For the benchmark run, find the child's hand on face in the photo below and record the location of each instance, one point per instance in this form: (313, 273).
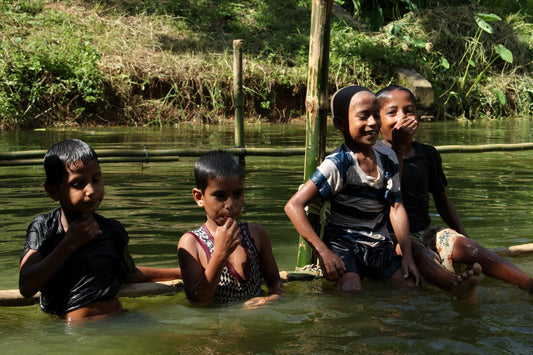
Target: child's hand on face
(403, 132)
(82, 230)
(228, 236)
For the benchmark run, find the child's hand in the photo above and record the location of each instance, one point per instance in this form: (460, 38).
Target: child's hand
(409, 268)
(228, 236)
(82, 230)
(257, 302)
(333, 265)
(403, 132)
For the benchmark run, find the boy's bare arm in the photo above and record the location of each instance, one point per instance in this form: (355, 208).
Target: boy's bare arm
(147, 274)
(295, 210)
(448, 212)
(201, 282)
(36, 271)
(269, 267)
(400, 224)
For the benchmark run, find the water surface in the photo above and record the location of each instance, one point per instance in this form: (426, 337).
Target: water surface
(492, 192)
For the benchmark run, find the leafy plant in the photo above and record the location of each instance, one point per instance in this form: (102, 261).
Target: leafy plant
(465, 70)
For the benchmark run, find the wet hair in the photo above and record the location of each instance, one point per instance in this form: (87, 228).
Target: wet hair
(340, 101)
(216, 164)
(63, 154)
(384, 93)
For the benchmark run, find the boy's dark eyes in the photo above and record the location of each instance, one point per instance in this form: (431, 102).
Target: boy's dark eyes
(366, 117)
(220, 195)
(394, 112)
(79, 184)
(223, 196)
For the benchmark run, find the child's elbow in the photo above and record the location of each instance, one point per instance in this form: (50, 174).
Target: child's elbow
(198, 301)
(290, 208)
(287, 208)
(198, 298)
(27, 292)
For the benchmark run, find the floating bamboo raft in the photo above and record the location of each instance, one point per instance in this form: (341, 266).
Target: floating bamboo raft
(11, 298)
(35, 157)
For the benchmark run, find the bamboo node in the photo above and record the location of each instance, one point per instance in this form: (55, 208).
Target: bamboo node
(146, 155)
(311, 103)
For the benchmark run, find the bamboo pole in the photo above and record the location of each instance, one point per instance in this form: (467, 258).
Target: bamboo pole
(484, 148)
(316, 102)
(13, 298)
(34, 157)
(514, 250)
(238, 96)
(144, 155)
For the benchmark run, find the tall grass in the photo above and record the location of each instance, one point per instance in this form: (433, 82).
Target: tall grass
(137, 62)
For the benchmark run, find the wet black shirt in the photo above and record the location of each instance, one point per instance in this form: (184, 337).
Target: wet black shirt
(93, 273)
(422, 175)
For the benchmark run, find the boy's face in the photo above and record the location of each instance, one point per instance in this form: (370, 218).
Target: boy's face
(363, 119)
(396, 107)
(81, 190)
(221, 199)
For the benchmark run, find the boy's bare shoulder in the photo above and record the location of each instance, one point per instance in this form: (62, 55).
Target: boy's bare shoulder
(187, 241)
(257, 229)
(259, 235)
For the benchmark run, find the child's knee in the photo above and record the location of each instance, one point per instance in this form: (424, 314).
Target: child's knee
(398, 280)
(350, 282)
(466, 249)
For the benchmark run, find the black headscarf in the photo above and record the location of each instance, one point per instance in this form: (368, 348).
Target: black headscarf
(340, 101)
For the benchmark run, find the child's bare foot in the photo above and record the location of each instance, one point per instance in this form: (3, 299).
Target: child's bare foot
(466, 288)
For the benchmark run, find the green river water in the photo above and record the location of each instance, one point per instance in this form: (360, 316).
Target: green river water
(491, 191)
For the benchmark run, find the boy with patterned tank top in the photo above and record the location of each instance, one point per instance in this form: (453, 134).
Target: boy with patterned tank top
(225, 260)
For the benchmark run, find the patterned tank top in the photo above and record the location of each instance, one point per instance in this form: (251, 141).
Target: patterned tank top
(231, 287)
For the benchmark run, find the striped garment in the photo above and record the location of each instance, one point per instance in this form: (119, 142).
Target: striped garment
(359, 203)
(231, 287)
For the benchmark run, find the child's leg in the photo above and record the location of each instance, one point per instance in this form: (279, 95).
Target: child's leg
(398, 280)
(468, 251)
(430, 268)
(350, 282)
(462, 286)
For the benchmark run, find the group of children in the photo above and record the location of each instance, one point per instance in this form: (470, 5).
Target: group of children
(379, 225)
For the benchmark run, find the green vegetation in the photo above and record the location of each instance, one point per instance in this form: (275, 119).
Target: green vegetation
(140, 62)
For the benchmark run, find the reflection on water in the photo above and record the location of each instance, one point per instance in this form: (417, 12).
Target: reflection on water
(492, 192)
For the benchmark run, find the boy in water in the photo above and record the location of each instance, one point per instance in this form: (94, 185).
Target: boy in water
(422, 174)
(76, 258)
(225, 260)
(362, 182)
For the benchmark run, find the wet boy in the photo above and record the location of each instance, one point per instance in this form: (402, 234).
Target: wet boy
(423, 175)
(225, 260)
(76, 258)
(362, 183)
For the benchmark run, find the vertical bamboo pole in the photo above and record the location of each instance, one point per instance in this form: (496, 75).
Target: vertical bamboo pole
(238, 96)
(316, 103)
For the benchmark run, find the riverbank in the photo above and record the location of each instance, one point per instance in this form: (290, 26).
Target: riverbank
(81, 63)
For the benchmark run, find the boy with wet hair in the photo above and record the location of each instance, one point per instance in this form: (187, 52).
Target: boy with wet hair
(422, 175)
(225, 260)
(76, 258)
(362, 183)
